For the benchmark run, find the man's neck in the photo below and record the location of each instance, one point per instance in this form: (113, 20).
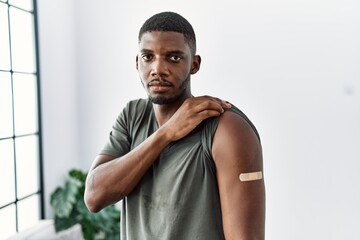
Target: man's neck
(163, 112)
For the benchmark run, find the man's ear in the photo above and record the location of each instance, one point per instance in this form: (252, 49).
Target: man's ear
(195, 66)
(137, 62)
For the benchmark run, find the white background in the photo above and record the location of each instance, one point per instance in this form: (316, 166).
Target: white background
(292, 66)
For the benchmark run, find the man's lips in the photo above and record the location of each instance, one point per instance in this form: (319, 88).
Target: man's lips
(159, 83)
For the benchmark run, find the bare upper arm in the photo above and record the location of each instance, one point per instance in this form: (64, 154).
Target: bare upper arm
(236, 149)
(100, 159)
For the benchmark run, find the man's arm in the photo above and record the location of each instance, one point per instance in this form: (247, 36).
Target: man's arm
(110, 179)
(236, 150)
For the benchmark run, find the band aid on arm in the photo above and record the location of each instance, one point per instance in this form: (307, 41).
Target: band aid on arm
(251, 176)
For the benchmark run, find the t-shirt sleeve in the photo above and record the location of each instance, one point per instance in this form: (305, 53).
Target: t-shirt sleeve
(119, 140)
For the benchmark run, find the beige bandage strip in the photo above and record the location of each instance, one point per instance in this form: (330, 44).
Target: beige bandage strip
(251, 176)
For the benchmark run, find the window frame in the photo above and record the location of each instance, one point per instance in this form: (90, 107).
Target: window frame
(38, 134)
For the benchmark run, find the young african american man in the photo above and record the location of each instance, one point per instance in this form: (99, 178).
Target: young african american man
(186, 167)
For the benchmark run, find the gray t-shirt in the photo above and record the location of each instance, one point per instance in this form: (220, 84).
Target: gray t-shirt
(178, 196)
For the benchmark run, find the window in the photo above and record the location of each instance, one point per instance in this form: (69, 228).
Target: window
(21, 197)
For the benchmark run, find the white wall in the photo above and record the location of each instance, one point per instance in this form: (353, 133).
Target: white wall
(291, 66)
(58, 92)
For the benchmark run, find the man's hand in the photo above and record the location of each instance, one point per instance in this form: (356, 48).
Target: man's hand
(191, 113)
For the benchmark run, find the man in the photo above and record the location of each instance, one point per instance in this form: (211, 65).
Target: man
(186, 167)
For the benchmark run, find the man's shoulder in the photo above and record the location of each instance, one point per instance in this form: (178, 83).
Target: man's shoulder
(140, 102)
(234, 118)
(134, 108)
(137, 105)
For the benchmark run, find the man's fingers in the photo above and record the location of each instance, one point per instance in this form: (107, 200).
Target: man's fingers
(208, 113)
(223, 103)
(192, 112)
(211, 104)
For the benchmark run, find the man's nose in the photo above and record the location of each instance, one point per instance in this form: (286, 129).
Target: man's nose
(160, 68)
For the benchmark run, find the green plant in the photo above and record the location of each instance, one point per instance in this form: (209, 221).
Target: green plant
(69, 208)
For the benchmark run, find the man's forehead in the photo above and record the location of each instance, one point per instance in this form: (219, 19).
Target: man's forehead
(156, 40)
(163, 38)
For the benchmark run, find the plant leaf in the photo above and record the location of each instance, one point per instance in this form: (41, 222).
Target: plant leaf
(65, 223)
(78, 174)
(88, 229)
(63, 199)
(69, 207)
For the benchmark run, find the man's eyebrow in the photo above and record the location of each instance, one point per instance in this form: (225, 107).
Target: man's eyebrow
(144, 50)
(176, 52)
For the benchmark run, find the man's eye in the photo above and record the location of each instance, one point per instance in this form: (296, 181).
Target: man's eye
(175, 58)
(146, 57)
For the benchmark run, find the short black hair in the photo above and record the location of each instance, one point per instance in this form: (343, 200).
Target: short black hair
(170, 22)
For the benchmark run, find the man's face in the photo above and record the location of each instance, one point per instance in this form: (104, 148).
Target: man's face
(165, 64)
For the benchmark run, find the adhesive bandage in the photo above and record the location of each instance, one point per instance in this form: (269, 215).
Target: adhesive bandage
(251, 176)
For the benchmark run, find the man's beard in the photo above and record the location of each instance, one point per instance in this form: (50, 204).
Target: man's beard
(163, 100)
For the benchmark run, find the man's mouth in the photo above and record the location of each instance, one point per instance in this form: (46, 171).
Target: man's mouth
(159, 85)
